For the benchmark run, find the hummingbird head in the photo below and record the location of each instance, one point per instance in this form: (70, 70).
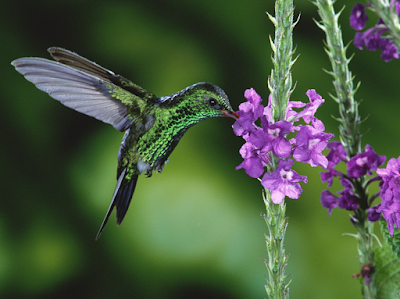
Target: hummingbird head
(209, 99)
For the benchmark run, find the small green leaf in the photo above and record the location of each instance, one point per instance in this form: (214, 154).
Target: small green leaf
(392, 241)
(387, 271)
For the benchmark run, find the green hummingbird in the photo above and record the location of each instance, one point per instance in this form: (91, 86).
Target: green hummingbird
(153, 125)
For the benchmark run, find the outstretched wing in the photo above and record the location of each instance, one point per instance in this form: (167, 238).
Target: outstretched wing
(76, 61)
(86, 87)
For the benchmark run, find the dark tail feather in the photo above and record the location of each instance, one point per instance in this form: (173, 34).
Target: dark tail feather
(121, 199)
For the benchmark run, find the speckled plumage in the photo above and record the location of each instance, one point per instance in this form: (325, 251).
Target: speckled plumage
(153, 125)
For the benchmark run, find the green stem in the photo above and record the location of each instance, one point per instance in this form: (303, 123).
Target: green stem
(366, 250)
(280, 86)
(280, 81)
(277, 260)
(349, 120)
(349, 129)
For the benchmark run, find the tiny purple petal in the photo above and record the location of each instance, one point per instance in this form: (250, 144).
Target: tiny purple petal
(252, 166)
(328, 176)
(364, 163)
(359, 40)
(337, 152)
(373, 215)
(329, 201)
(358, 17)
(254, 160)
(277, 134)
(308, 112)
(348, 201)
(389, 51)
(244, 124)
(252, 96)
(290, 113)
(282, 148)
(267, 110)
(248, 112)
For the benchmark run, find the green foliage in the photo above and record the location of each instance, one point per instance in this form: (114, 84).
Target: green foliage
(392, 241)
(387, 271)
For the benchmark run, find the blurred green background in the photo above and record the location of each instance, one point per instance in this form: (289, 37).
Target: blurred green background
(194, 231)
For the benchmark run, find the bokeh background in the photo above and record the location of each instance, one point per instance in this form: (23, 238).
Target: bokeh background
(195, 230)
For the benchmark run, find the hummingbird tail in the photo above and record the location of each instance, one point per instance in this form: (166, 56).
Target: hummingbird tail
(121, 199)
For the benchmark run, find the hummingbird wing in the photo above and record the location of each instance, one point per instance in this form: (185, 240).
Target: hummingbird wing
(86, 87)
(76, 61)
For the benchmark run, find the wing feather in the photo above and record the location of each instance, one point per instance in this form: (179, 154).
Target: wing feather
(79, 90)
(76, 61)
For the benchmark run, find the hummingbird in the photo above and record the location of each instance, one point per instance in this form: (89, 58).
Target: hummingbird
(153, 125)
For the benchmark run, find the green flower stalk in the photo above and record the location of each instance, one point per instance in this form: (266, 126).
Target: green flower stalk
(349, 120)
(280, 81)
(349, 130)
(280, 86)
(268, 146)
(277, 260)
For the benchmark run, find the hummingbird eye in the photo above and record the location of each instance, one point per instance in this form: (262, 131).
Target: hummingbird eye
(213, 103)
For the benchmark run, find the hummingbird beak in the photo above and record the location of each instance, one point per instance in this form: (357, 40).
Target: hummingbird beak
(231, 114)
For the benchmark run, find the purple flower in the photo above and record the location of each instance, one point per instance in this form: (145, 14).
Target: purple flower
(347, 200)
(249, 112)
(328, 176)
(244, 124)
(363, 163)
(372, 38)
(397, 4)
(254, 159)
(391, 212)
(277, 132)
(283, 182)
(329, 201)
(373, 214)
(309, 144)
(267, 110)
(290, 113)
(337, 153)
(389, 50)
(358, 17)
(390, 194)
(270, 141)
(308, 112)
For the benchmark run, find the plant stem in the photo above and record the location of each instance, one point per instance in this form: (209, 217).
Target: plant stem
(277, 260)
(349, 129)
(280, 80)
(280, 86)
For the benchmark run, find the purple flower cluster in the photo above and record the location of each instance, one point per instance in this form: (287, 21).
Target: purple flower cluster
(372, 38)
(269, 142)
(358, 166)
(390, 193)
